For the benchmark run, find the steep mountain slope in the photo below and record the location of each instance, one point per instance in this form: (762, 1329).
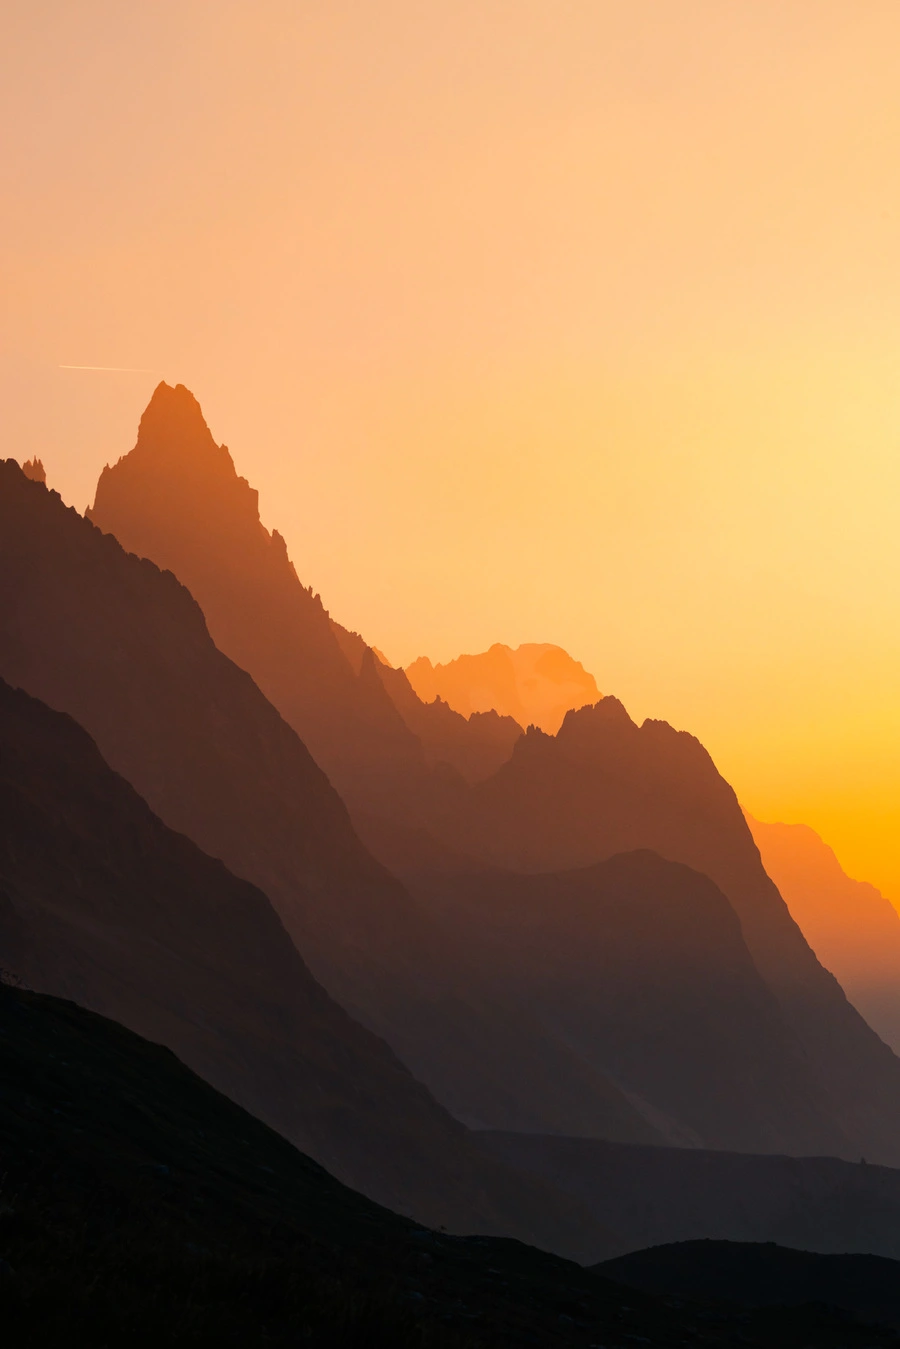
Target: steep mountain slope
(853, 929)
(603, 785)
(124, 649)
(99, 901)
(176, 498)
(140, 1207)
(536, 683)
(600, 786)
(648, 1196)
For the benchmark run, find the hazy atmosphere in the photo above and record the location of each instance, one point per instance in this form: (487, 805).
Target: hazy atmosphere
(530, 322)
(449, 672)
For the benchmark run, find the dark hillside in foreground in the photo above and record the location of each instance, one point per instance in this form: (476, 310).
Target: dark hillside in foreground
(767, 1275)
(140, 1207)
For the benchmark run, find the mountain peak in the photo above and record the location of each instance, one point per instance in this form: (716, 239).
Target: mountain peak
(534, 682)
(173, 423)
(34, 469)
(175, 467)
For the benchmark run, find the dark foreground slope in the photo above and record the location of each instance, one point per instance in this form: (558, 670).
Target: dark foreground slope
(140, 1207)
(122, 647)
(651, 1195)
(99, 901)
(866, 1287)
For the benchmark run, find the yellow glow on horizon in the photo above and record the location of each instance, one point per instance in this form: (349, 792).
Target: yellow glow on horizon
(529, 323)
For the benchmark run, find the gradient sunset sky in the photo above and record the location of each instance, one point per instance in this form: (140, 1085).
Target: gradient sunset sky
(569, 322)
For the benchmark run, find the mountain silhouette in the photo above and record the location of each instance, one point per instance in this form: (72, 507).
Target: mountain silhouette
(599, 786)
(853, 929)
(603, 785)
(476, 745)
(124, 649)
(100, 902)
(34, 469)
(651, 1195)
(177, 499)
(639, 964)
(141, 1207)
(765, 1275)
(536, 683)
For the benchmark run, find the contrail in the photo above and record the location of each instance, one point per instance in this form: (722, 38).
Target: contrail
(117, 369)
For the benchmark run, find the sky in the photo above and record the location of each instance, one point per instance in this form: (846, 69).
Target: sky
(572, 322)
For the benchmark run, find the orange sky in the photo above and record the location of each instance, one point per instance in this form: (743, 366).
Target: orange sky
(568, 322)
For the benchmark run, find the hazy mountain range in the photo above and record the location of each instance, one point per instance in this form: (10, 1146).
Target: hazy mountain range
(459, 932)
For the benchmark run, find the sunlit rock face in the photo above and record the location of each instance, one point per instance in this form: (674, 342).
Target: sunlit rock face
(536, 683)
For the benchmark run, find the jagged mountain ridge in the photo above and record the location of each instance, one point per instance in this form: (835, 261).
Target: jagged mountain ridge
(176, 498)
(603, 785)
(100, 902)
(459, 814)
(124, 649)
(535, 683)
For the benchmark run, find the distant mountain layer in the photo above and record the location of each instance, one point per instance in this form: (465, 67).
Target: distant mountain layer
(604, 785)
(849, 924)
(639, 964)
(536, 683)
(651, 1195)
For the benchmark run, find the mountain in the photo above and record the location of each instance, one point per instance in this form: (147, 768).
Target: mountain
(177, 499)
(141, 1207)
(853, 929)
(360, 933)
(652, 1195)
(475, 745)
(102, 903)
(602, 785)
(865, 1287)
(123, 648)
(598, 787)
(34, 469)
(536, 683)
(640, 966)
